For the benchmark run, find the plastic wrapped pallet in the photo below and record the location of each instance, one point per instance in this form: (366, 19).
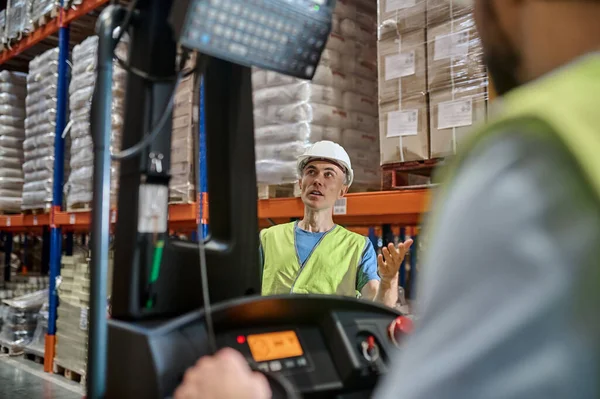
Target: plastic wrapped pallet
(457, 77)
(18, 19)
(72, 336)
(80, 185)
(401, 16)
(341, 100)
(41, 8)
(72, 312)
(13, 91)
(72, 321)
(2, 28)
(454, 53)
(184, 151)
(403, 113)
(20, 320)
(440, 11)
(40, 124)
(38, 341)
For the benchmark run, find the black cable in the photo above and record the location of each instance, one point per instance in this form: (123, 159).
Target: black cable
(133, 70)
(126, 22)
(210, 329)
(150, 137)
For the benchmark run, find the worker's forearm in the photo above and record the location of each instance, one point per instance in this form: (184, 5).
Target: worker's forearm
(387, 293)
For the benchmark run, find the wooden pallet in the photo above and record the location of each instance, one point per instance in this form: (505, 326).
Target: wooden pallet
(80, 207)
(38, 211)
(33, 355)
(406, 175)
(69, 374)
(9, 213)
(10, 350)
(178, 199)
(267, 191)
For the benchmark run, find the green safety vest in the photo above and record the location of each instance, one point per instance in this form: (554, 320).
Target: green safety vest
(563, 106)
(331, 268)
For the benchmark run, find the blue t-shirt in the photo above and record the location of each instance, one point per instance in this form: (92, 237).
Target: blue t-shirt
(306, 242)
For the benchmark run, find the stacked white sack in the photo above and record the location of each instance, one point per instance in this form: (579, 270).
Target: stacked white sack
(40, 126)
(13, 89)
(339, 104)
(79, 189)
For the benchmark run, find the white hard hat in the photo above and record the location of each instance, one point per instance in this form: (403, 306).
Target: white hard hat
(330, 151)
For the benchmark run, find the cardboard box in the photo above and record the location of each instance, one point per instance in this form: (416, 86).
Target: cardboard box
(440, 11)
(453, 115)
(454, 54)
(400, 16)
(402, 66)
(351, 138)
(404, 130)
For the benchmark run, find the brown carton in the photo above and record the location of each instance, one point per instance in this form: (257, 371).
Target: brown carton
(453, 115)
(440, 11)
(454, 54)
(399, 16)
(402, 66)
(404, 130)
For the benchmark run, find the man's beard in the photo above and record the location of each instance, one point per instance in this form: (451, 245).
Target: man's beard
(500, 57)
(502, 67)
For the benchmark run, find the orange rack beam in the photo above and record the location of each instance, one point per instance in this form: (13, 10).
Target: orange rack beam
(362, 209)
(403, 207)
(50, 28)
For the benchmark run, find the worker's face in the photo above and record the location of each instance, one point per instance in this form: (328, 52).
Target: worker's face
(322, 183)
(497, 23)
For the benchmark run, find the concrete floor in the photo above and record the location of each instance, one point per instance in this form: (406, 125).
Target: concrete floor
(20, 378)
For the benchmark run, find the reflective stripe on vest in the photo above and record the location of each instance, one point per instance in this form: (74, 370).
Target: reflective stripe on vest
(331, 267)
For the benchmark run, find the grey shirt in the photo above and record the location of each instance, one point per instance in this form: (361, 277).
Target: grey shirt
(501, 314)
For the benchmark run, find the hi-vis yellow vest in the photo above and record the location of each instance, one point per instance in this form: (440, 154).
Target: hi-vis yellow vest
(564, 107)
(331, 268)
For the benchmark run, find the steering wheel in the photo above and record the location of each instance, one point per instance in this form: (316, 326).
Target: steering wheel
(281, 387)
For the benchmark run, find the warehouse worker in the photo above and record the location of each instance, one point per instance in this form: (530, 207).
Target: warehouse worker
(510, 285)
(316, 256)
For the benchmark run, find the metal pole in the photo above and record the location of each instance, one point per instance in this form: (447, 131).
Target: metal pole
(8, 244)
(203, 175)
(57, 189)
(101, 127)
(402, 281)
(410, 292)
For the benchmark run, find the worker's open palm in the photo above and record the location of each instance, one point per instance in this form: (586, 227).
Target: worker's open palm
(225, 375)
(391, 258)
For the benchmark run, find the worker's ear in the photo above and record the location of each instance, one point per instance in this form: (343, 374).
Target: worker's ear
(344, 191)
(300, 184)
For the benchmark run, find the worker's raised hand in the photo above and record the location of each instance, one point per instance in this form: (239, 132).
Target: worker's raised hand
(225, 375)
(391, 258)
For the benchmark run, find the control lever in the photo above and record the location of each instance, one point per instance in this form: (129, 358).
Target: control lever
(372, 353)
(370, 349)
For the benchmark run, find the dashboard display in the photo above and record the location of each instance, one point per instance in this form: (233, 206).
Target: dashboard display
(274, 346)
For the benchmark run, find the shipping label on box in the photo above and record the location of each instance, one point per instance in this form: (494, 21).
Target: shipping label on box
(453, 116)
(454, 54)
(404, 130)
(402, 66)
